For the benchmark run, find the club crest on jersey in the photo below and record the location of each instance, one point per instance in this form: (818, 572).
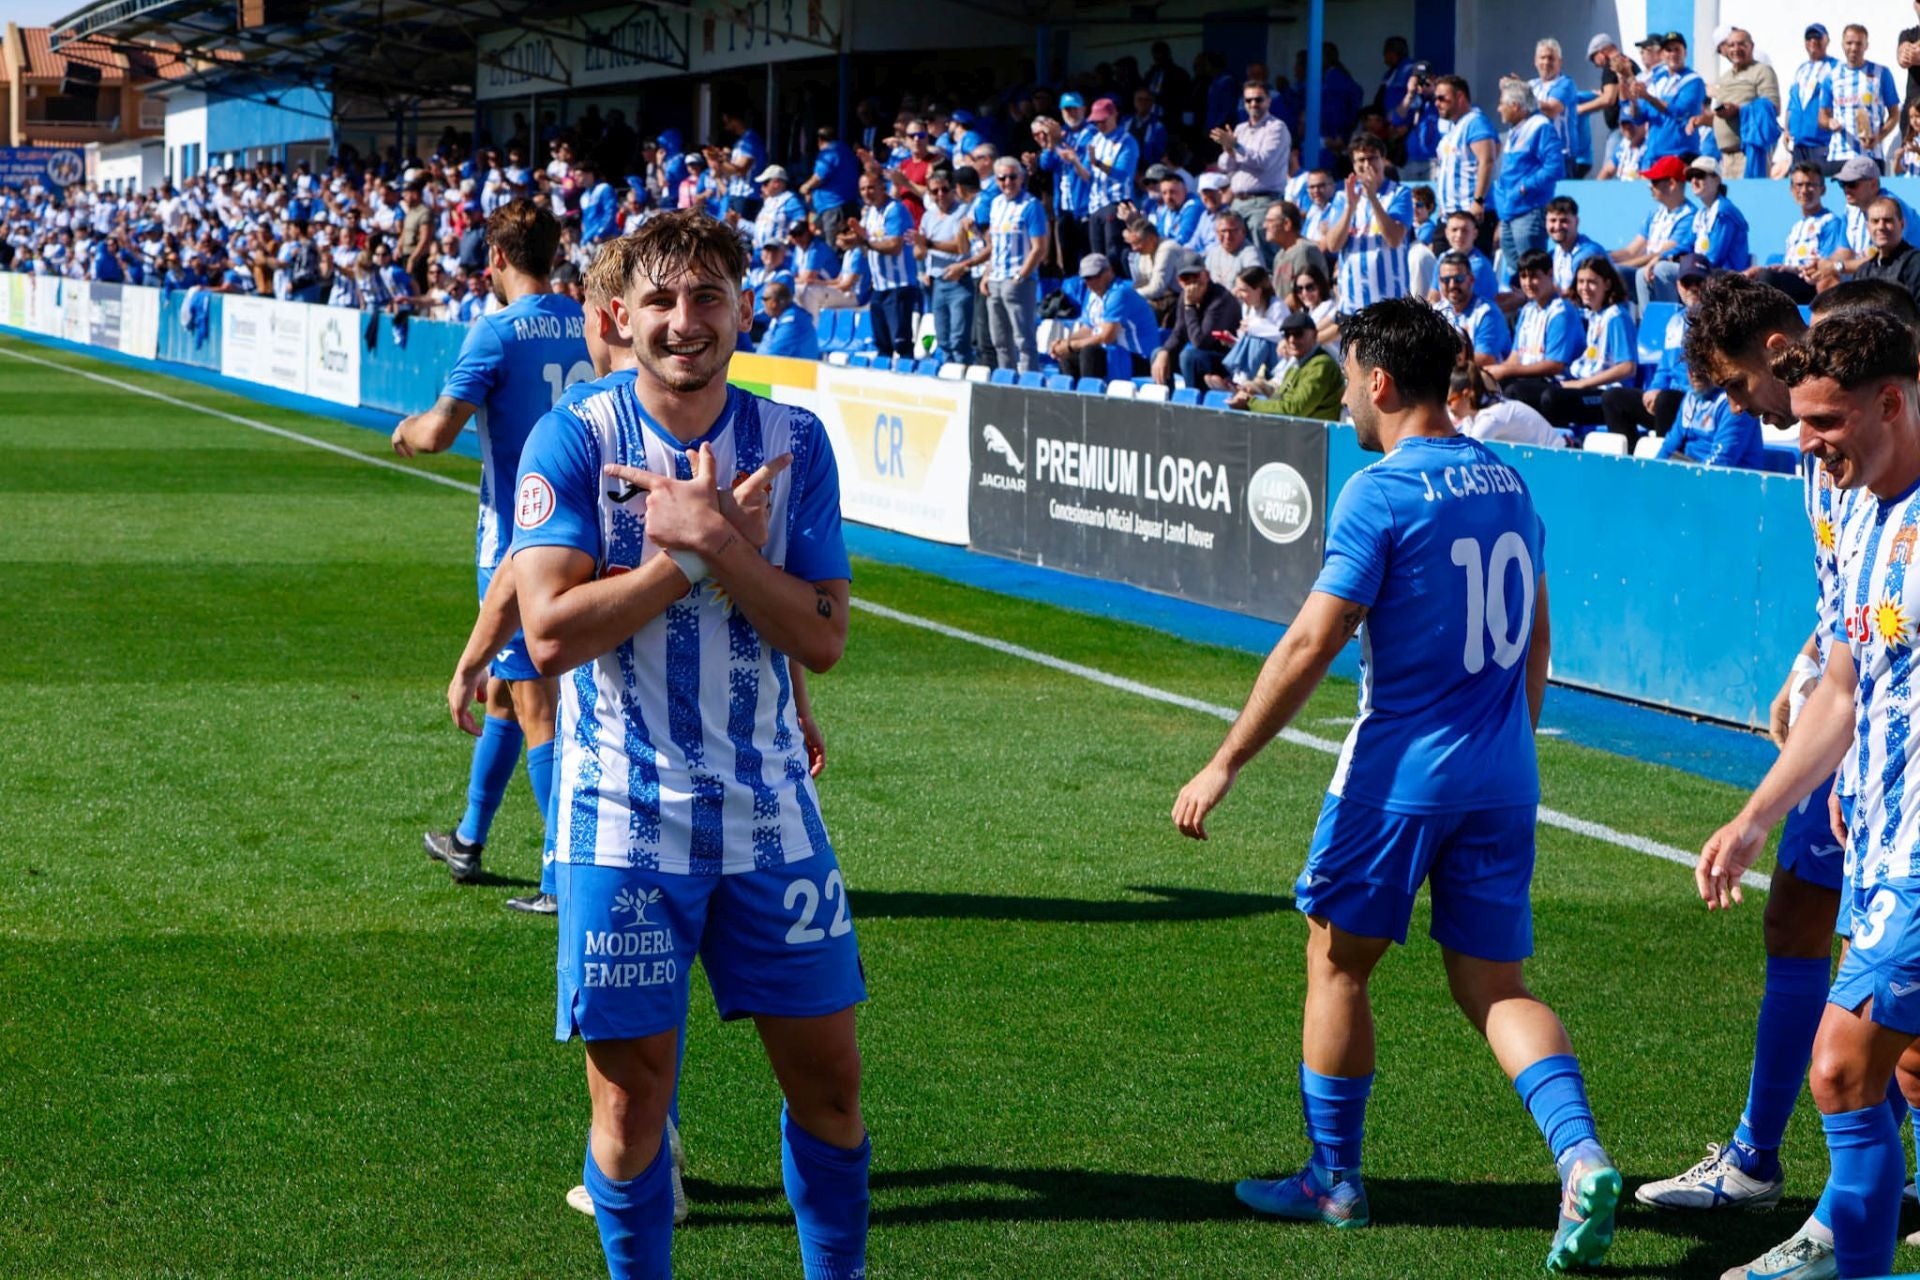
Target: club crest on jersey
(1901, 552)
(535, 505)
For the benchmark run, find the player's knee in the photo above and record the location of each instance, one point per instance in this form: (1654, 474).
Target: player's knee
(1838, 1081)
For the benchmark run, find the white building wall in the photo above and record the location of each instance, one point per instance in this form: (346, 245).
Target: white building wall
(186, 126)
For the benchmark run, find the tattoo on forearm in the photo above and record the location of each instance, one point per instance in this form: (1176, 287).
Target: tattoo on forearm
(1350, 621)
(822, 603)
(727, 545)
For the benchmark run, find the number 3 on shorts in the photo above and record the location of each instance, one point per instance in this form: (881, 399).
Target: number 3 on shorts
(1879, 909)
(802, 892)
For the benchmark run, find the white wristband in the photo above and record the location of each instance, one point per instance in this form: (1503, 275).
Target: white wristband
(690, 564)
(1805, 669)
(1806, 673)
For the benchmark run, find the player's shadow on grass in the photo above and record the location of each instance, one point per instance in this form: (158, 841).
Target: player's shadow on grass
(1168, 904)
(493, 880)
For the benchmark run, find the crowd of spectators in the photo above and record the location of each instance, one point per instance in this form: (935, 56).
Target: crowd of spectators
(1175, 220)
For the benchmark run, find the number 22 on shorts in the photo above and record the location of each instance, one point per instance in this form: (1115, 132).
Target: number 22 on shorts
(807, 898)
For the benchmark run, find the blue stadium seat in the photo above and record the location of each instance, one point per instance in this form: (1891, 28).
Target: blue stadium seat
(1217, 399)
(906, 364)
(860, 360)
(1033, 378)
(1060, 382)
(861, 339)
(929, 367)
(1184, 395)
(1650, 339)
(833, 330)
(1001, 377)
(1091, 386)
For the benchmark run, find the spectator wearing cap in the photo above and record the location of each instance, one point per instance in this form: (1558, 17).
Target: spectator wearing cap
(1313, 385)
(1233, 250)
(882, 234)
(1719, 228)
(1616, 68)
(1807, 136)
(1568, 246)
(599, 206)
(943, 239)
(1213, 198)
(1255, 154)
(693, 187)
(1745, 110)
(835, 184)
(790, 330)
(1284, 232)
(1711, 432)
(1148, 126)
(1859, 101)
(1463, 307)
(1107, 163)
(1468, 153)
(1859, 179)
(1547, 338)
(1155, 266)
(1115, 329)
(1669, 98)
(1627, 159)
(1893, 259)
(1016, 240)
(779, 208)
(1057, 140)
(1204, 328)
(1667, 229)
(1529, 173)
(1559, 101)
(1630, 412)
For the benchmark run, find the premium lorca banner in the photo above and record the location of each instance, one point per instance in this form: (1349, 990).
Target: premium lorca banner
(1221, 508)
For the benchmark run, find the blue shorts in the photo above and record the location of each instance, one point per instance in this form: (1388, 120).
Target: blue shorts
(1366, 866)
(512, 662)
(1882, 963)
(1807, 846)
(777, 941)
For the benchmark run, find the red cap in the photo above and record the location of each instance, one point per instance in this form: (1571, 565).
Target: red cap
(1664, 168)
(1102, 109)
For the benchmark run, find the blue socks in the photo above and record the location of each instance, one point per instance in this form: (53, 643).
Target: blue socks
(1336, 1112)
(1863, 1191)
(1897, 1108)
(493, 759)
(540, 773)
(1790, 1012)
(827, 1186)
(1555, 1094)
(635, 1218)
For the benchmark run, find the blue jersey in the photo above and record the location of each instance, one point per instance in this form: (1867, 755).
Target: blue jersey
(1566, 261)
(1139, 331)
(1440, 541)
(1712, 432)
(1552, 332)
(1459, 165)
(1720, 236)
(513, 368)
(1484, 324)
(1610, 341)
(679, 750)
(1370, 268)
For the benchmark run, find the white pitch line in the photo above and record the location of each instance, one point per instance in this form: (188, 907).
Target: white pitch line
(267, 427)
(1551, 817)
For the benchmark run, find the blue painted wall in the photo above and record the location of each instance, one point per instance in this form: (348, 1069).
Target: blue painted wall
(299, 115)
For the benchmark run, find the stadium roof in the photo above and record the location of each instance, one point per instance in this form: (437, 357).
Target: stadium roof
(394, 50)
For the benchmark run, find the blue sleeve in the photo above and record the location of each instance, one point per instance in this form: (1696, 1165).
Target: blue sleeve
(557, 503)
(1034, 221)
(1692, 96)
(1126, 160)
(1736, 438)
(1620, 339)
(1481, 130)
(1553, 163)
(898, 220)
(1565, 339)
(1189, 221)
(1889, 91)
(1833, 236)
(824, 164)
(1682, 232)
(816, 547)
(476, 371)
(1675, 435)
(1359, 535)
(1491, 336)
(1400, 206)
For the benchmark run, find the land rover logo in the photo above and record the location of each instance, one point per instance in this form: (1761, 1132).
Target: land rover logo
(1279, 503)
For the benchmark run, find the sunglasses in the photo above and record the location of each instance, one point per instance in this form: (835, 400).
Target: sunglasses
(1455, 279)
(920, 135)
(1007, 177)
(1255, 102)
(1307, 285)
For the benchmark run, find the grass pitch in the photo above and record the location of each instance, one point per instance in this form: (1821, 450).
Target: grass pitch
(249, 1030)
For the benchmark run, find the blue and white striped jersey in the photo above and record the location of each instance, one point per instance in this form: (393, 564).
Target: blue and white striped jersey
(1609, 342)
(1370, 269)
(1880, 602)
(679, 750)
(1484, 324)
(1867, 88)
(1815, 237)
(513, 367)
(1121, 151)
(1014, 225)
(1459, 166)
(1828, 506)
(1552, 332)
(889, 270)
(1566, 261)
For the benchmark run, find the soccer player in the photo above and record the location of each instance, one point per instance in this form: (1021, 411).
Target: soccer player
(1851, 381)
(514, 365)
(1434, 554)
(1740, 324)
(687, 824)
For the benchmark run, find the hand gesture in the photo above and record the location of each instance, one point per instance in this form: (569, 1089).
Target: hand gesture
(467, 689)
(917, 238)
(1354, 187)
(816, 746)
(1066, 152)
(1837, 819)
(400, 445)
(1198, 798)
(680, 513)
(1222, 137)
(1724, 858)
(1861, 128)
(1125, 210)
(955, 272)
(746, 505)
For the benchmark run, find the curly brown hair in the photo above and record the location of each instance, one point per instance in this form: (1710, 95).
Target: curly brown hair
(1854, 350)
(683, 240)
(526, 235)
